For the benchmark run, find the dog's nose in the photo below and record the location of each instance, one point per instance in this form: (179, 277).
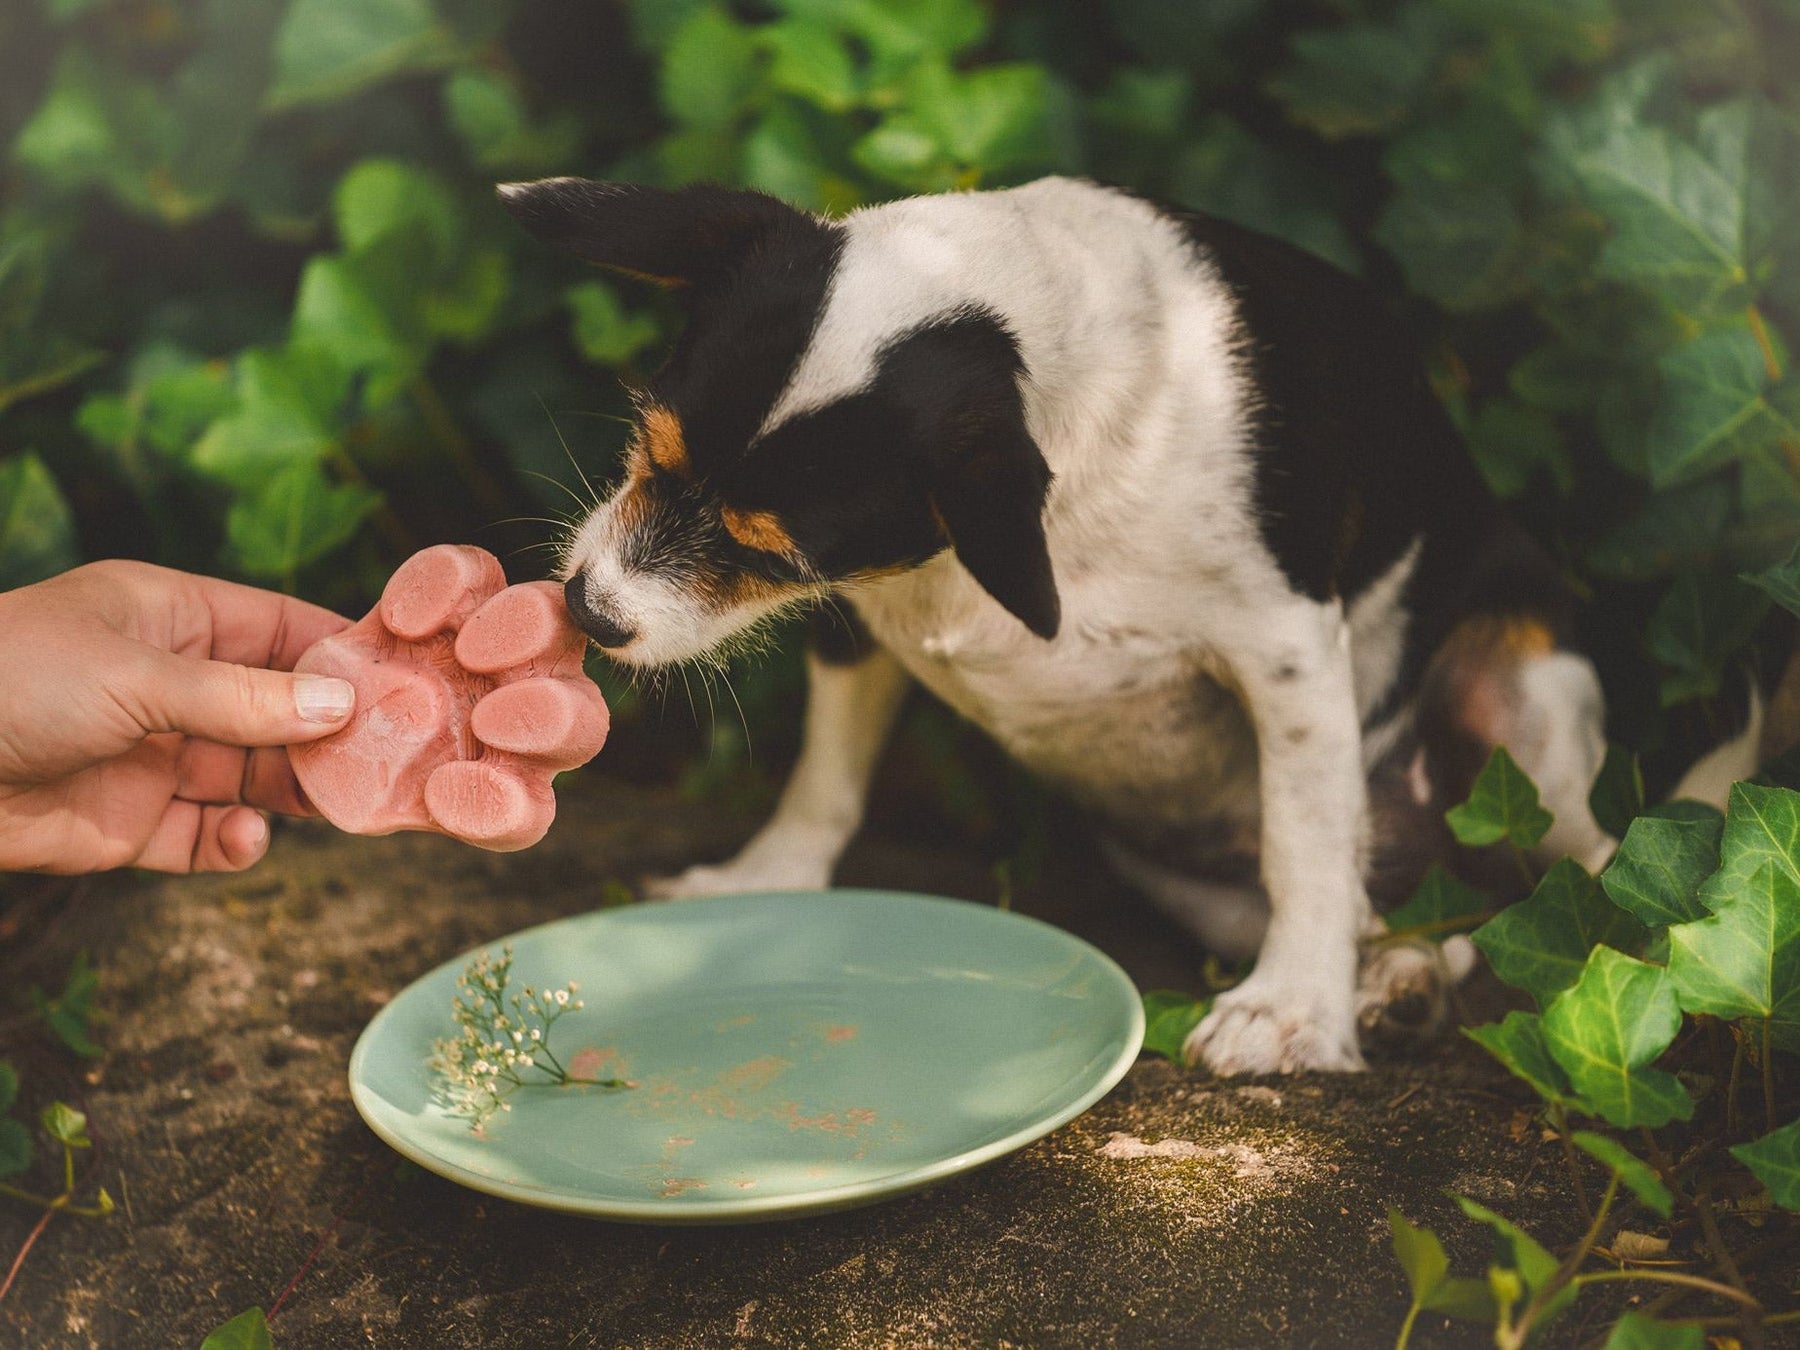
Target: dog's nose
(590, 618)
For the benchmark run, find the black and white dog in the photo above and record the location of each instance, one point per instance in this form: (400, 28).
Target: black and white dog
(1166, 507)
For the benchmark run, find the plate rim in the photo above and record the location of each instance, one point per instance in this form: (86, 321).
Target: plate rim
(751, 1209)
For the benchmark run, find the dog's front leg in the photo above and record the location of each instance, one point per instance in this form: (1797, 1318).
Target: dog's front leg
(1296, 1010)
(849, 711)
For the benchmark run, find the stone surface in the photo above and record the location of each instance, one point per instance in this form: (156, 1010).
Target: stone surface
(1180, 1211)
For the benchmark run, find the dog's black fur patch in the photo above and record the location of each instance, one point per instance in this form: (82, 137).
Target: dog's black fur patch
(941, 455)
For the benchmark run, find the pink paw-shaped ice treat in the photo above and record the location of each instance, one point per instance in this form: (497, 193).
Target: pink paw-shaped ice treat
(469, 697)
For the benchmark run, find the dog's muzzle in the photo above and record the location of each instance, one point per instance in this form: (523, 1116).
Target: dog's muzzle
(594, 620)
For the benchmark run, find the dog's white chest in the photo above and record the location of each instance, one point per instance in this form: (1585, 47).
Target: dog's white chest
(1122, 718)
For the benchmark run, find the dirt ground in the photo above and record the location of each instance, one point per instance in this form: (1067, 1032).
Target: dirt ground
(1180, 1211)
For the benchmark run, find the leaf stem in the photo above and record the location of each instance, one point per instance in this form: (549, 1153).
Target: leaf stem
(1668, 1277)
(1768, 1077)
(1565, 1273)
(1759, 330)
(1559, 1117)
(1524, 864)
(1731, 1087)
(1406, 1327)
(1728, 1266)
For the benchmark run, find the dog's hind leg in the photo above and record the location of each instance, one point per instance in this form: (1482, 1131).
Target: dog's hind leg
(850, 709)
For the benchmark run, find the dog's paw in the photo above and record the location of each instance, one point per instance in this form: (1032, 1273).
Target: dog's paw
(1403, 990)
(1273, 1027)
(469, 698)
(739, 876)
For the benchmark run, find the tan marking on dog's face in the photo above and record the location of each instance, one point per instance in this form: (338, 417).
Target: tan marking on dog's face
(759, 530)
(664, 442)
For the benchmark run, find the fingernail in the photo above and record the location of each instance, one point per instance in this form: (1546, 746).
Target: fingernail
(319, 698)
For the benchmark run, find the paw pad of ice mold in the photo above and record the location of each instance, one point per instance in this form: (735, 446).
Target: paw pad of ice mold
(470, 697)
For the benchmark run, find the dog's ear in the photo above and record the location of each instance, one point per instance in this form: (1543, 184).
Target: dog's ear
(672, 236)
(985, 474)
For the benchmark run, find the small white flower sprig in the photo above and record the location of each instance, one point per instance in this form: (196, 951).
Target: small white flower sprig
(502, 1041)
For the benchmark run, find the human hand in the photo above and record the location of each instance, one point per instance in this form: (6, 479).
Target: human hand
(142, 715)
(470, 698)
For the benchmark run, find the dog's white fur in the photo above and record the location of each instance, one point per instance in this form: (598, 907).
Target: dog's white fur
(1189, 683)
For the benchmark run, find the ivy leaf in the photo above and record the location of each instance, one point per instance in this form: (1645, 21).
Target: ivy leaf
(902, 151)
(1607, 1027)
(1580, 30)
(1516, 1250)
(1717, 404)
(1781, 582)
(1775, 1158)
(781, 155)
(1360, 79)
(810, 60)
(1518, 1043)
(1503, 805)
(1632, 1170)
(1168, 1017)
(37, 531)
(1617, 797)
(1680, 528)
(1744, 960)
(297, 518)
(277, 423)
(1541, 944)
(1441, 904)
(1461, 245)
(66, 1125)
(16, 1149)
(383, 196)
(1512, 444)
(491, 117)
(604, 329)
(329, 49)
(709, 71)
(1635, 1331)
(985, 119)
(339, 308)
(899, 32)
(1661, 863)
(249, 1330)
(32, 361)
(70, 1014)
(1762, 825)
(1428, 1276)
(1677, 218)
(1700, 625)
(9, 1086)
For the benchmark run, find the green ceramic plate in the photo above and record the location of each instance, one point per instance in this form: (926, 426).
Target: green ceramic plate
(793, 1053)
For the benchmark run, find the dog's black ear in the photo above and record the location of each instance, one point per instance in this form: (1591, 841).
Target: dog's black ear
(985, 474)
(672, 236)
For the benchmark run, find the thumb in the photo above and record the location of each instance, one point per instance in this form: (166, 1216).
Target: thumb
(243, 705)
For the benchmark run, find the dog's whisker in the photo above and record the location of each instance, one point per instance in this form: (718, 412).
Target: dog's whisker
(573, 462)
(561, 486)
(743, 721)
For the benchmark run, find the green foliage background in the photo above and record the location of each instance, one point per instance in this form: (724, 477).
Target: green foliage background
(259, 314)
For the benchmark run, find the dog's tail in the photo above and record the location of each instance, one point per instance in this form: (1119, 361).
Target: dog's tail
(1710, 777)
